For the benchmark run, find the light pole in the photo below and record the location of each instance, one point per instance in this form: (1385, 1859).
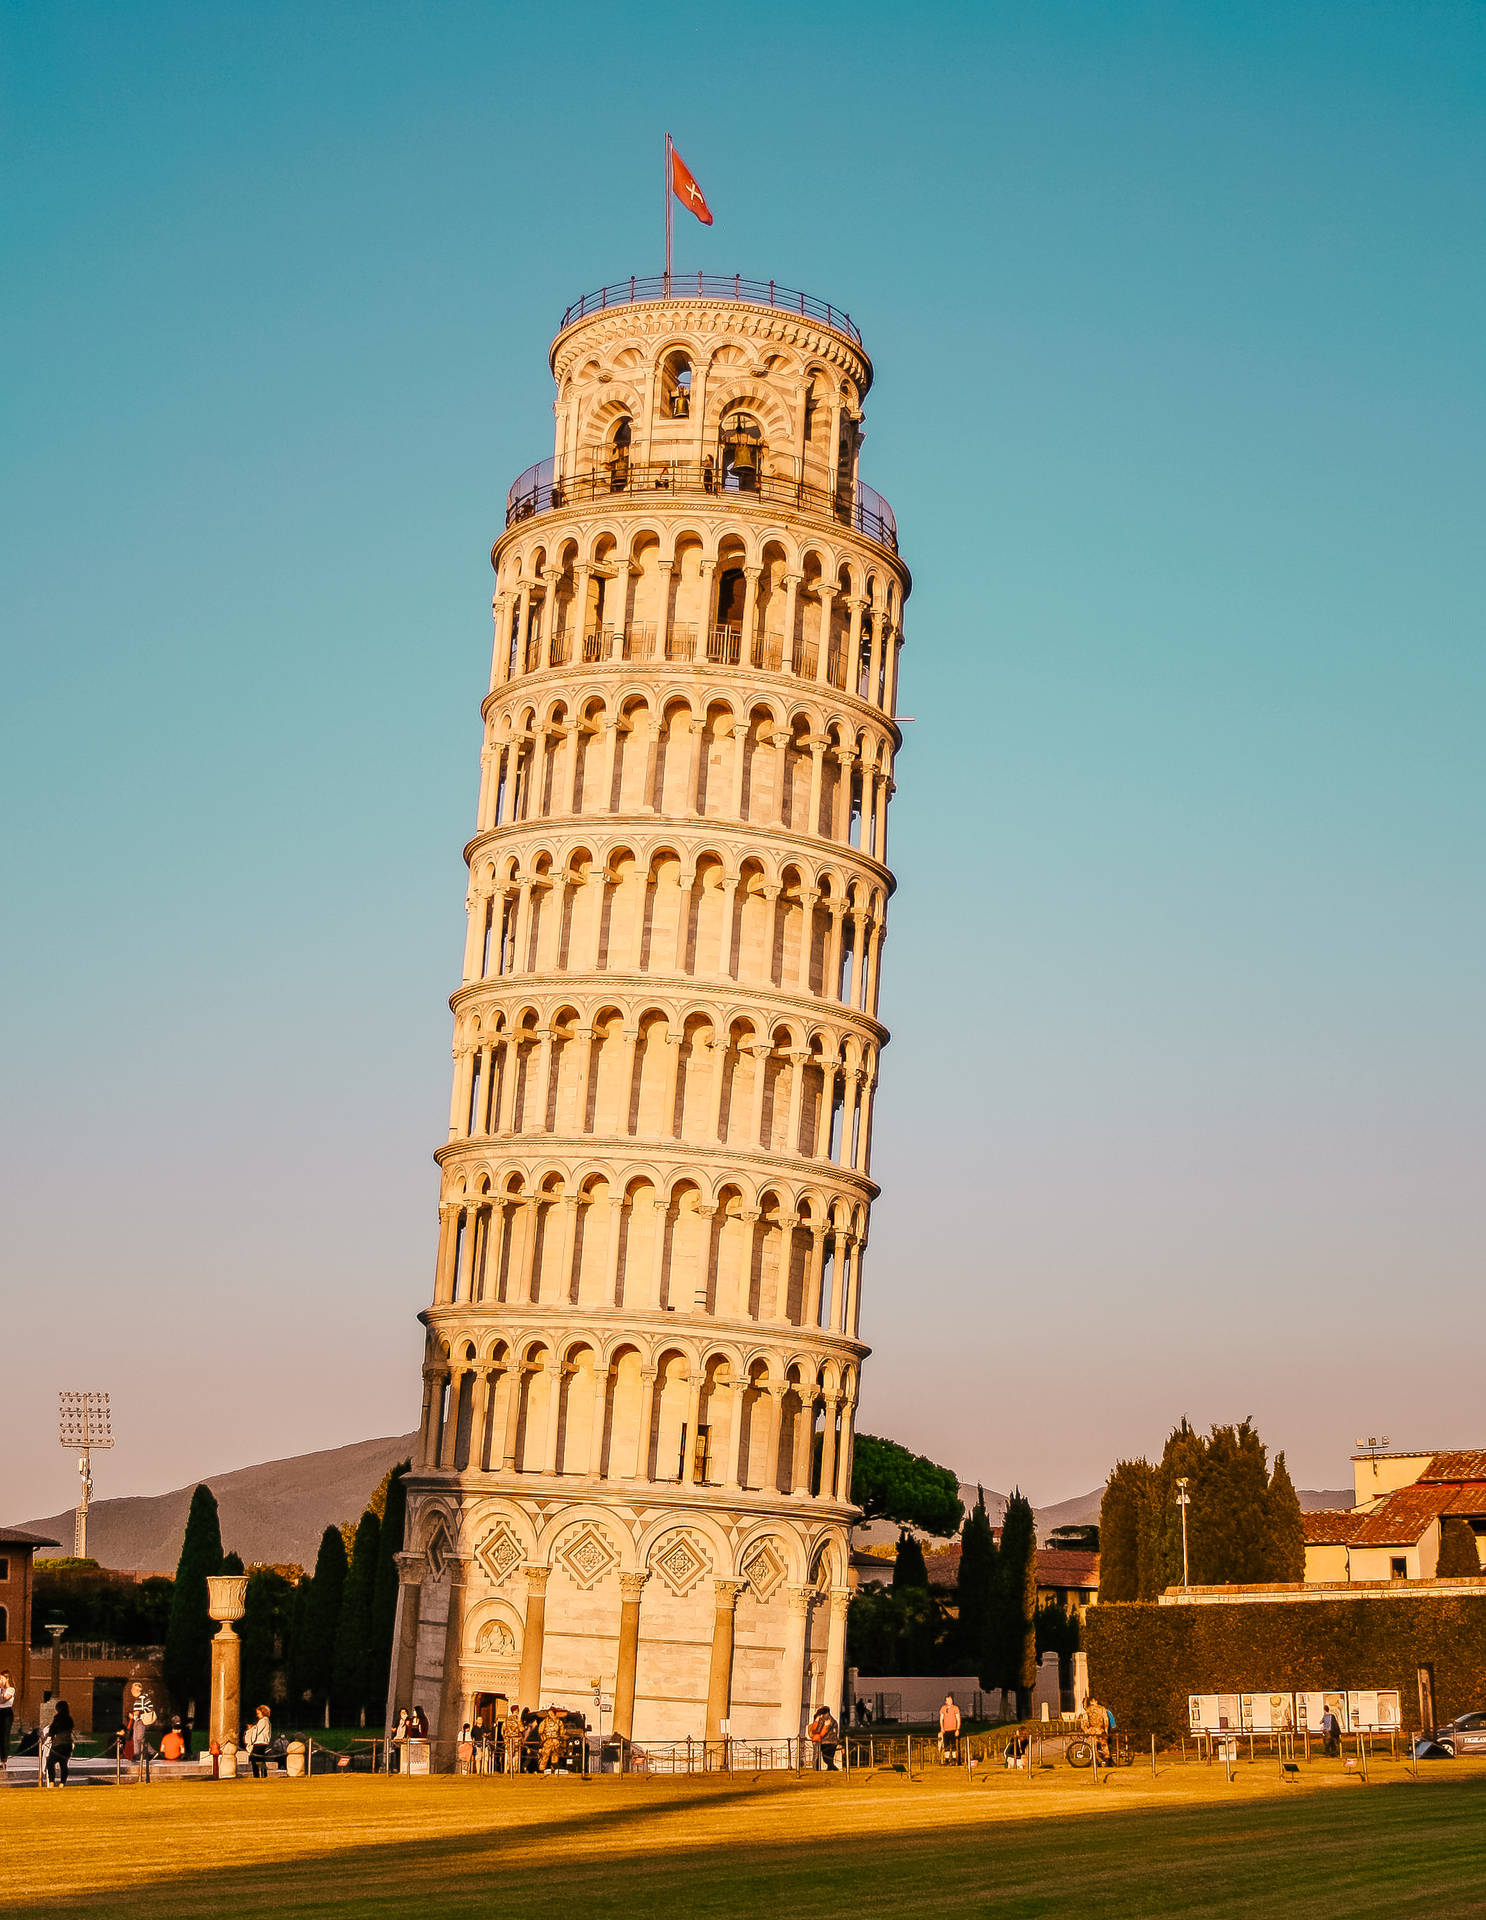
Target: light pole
(1183, 1500)
(83, 1423)
(56, 1628)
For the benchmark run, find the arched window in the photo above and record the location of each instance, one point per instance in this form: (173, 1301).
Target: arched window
(731, 588)
(619, 456)
(675, 386)
(742, 450)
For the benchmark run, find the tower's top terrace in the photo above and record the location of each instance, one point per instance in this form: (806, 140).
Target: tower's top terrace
(711, 286)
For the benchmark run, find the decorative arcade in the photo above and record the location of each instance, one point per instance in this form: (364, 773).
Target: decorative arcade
(642, 1359)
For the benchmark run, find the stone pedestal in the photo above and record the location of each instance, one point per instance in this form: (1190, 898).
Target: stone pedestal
(226, 1598)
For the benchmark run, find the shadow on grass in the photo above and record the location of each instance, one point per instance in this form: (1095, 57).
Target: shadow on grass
(696, 1854)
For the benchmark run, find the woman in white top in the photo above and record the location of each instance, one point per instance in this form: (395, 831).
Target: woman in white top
(256, 1739)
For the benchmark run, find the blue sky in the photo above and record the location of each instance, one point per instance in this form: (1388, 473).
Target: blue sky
(1177, 316)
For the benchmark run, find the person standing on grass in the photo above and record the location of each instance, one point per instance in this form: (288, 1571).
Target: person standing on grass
(1331, 1734)
(7, 1716)
(949, 1731)
(45, 1714)
(1097, 1721)
(256, 1739)
(398, 1742)
(59, 1744)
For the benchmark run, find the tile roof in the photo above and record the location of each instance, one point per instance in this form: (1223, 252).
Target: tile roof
(1067, 1567)
(1469, 1465)
(1332, 1526)
(18, 1537)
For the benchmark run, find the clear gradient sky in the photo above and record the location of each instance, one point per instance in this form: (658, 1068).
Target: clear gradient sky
(1178, 316)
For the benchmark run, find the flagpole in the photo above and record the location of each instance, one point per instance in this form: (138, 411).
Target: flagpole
(666, 284)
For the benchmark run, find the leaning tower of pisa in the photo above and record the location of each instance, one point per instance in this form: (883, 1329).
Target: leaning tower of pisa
(641, 1358)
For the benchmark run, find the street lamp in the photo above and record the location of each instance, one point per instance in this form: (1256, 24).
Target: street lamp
(83, 1423)
(56, 1628)
(1183, 1500)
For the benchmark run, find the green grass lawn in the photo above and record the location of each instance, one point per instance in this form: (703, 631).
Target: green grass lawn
(1185, 1844)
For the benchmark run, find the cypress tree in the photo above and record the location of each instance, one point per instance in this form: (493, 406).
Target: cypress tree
(1230, 1544)
(976, 1585)
(350, 1668)
(1458, 1559)
(1124, 1531)
(908, 1565)
(315, 1658)
(1016, 1566)
(1285, 1528)
(263, 1632)
(384, 1589)
(232, 1563)
(1181, 1455)
(188, 1659)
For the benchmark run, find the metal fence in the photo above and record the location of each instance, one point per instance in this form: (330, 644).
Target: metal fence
(541, 490)
(711, 286)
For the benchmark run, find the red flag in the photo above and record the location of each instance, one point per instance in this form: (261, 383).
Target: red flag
(686, 190)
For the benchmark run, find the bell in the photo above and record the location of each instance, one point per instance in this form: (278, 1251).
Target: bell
(745, 460)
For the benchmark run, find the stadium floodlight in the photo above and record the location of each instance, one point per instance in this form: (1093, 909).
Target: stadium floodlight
(83, 1423)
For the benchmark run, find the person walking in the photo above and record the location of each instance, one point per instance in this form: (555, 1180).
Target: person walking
(1097, 1722)
(59, 1743)
(824, 1735)
(45, 1714)
(1331, 1734)
(7, 1717)
(255, 1740)
(949, 1731)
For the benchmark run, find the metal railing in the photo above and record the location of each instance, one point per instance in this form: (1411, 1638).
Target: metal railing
(711, 286)
(539, 490)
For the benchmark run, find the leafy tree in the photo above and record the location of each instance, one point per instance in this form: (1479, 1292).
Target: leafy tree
(1285, 1528)
(188, 1637)
(1014, 1646)
(1073, 1539)
(264, 1632)
(890, 1483)
(1458, 1559)
(896, 1631)
(351, 1665)
(976, 1584)
(99, 1605)
(908, 1565)
(1057, 1629)
(384, 1590)
(315, 1652)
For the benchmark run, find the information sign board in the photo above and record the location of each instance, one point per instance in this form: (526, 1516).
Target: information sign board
(1268, 1712)
(1214, 1713)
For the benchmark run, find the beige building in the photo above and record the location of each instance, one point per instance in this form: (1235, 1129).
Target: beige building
(641, 1358)
(1393, 1532)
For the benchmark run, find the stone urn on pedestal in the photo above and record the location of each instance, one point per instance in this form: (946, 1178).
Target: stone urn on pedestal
(226, 1599)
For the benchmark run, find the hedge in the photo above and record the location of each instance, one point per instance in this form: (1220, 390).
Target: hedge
(1145, 1659)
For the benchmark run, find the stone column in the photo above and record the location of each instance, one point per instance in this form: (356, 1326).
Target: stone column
(719, 1080)
(631, 1586)
(451, 1689)
(411, 1569)
(619, 1206)
(836, 1651)
(798, 1059)
(792, 1677)
(774, 1420)
(647, 1414)
(720, 1673)
(817, 762)
(529, 1687)
(759, 1051)
(693, 1416)
(823, 658)
(750, 617)
(809, 896)
(598, 1422)
(828, 1447)
(226, 1600)
(791, 594)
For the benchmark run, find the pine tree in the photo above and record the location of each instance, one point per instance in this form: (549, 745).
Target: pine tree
(315, 1655)
(976, 1585)
(350, 1670)
(908, 1566)
(1286, 1530)
(1459, 1559)
(188, 1659)
(1016, 1567)
(384, 1590)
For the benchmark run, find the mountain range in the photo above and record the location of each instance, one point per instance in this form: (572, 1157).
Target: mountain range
(277, 1511)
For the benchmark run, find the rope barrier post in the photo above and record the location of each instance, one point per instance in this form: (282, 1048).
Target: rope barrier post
(1153, 1756)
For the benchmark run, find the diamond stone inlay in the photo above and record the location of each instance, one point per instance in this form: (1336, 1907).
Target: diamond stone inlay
(763, 1570)
(500, 1553)
(588, 1556)
(681, 1562)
